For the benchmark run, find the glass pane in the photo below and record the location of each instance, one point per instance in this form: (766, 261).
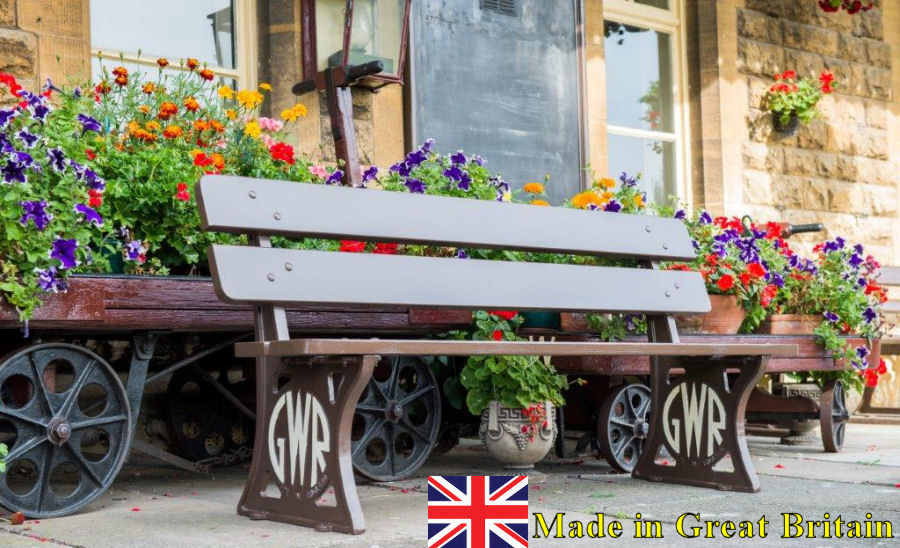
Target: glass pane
(639, 79)
(175, 29)
(664, 4)
(377, 31)
(653, 159)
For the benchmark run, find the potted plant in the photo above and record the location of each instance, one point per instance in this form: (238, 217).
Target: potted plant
(740, 267)
(791, 101)
(852, 7)
(516, 396)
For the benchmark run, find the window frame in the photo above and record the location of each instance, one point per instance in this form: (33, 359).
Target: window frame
(245, 49)
(671, 22)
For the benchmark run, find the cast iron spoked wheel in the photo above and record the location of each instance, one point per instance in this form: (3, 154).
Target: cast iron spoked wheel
(203, 423)
(65, 417)
(397, 419)
(833, 416)
(622, 426)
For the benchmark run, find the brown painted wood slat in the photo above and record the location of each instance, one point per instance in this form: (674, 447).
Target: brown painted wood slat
(296, 277)
(244, 205)
(390, 347)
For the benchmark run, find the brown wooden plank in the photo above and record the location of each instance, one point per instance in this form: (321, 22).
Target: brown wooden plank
(390, 347)
(242, 205)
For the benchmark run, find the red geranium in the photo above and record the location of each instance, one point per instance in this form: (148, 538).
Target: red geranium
(283, 152)
(385, 249)
(498, 335)
(182, 193)
(504, 314)
(91, 155)
(756, 270)
(11, 83)
(726, 282)
(767, 295)
(352, 246)
(96, 198)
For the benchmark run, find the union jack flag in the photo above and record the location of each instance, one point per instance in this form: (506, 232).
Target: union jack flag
(477, 511)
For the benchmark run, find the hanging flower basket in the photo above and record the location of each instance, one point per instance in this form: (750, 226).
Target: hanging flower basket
(852, 7)
(788, 129)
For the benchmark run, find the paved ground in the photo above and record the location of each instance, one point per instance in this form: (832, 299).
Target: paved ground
(155, 506)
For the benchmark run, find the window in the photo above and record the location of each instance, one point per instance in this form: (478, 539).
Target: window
(216, 32)
(643, 88)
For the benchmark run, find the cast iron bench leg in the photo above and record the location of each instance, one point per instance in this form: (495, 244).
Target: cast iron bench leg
(698, 417)
(302, 471)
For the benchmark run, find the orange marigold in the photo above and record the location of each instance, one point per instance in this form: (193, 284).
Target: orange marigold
(585, 199)
(207, 74)
(217, 126)
(217, 160)
(145, 109)
(192, 63)
(143, 135)
(121, 80)
(172, 132)
(533, 188)
(148, 88)
(191, 104)
(162, 62)
(200, 125)
(152, 125)
(606, 182)
(167, 110)
(120, 71)
(539, 203)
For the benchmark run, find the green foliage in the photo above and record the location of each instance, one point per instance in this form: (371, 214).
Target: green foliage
(3, 452)
(516, 381)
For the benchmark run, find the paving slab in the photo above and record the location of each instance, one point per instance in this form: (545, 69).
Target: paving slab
(153, 506)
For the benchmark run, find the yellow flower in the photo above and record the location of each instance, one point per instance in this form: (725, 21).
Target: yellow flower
(144, 109)
(252, 129)
(232, 115)
(249, 99)
(606, 182)
(507, 196)
(133, 126)
(639, 200)
(294, 112)
(533, 188)
(172, 132)
(539, 203)
(152, 125)
(586, 198)
(225, 92)
(607, 196)
(266, 87)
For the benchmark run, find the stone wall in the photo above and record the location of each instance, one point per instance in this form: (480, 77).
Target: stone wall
(18, 49)
(838, 169)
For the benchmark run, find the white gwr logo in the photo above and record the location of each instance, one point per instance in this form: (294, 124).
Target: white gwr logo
(307, 429)
(706, 410)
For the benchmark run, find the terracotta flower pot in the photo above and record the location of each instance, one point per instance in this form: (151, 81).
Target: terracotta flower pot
(725, 318)
(502, 433)
(789, 324)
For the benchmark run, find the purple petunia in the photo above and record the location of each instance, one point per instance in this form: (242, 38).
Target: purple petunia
(57, 159)
(777, 280)
(50, 281)
(862, 352)
(90, 215)
(6, 116)
(461, 254)
(335, 178)
(134, 251)
(415, 158)
(28, 139)
(627, 181)
(831, 316)
(93, 180)
(855, 260)
(835, 245)
(370, 174)
(77, 91)
(705, 218)
(88, 123)
(415, 186)
(869, 315)
(63, 250)
(426, 146)
(458, 157)
(862, 282)
(35, 211)
(13, 172)
(613, 206)
(479, 160)
(680, 214)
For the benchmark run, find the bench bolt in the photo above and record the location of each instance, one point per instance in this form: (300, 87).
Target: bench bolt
(647, 228)
(252, 194)
(667, 293)
(276, 216)
(288, 267)
(271, 277)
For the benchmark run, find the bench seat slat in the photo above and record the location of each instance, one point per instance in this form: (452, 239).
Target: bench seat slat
(296, 277)
(393, 347)
(243, 205)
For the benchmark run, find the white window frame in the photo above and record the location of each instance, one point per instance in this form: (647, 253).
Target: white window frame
(245, 49)
(671, 22)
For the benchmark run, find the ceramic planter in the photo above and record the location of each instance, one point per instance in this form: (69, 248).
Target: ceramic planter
(725, 317)
(501, 432)
(789, 324)
(787, 129)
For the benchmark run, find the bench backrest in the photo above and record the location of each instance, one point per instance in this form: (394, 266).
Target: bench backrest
(263, 275)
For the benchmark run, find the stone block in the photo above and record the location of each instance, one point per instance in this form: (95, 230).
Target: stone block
(883, 200)
(850, 198)
(759, 123)
(810, 38)
(843, 110)
(852, 79)
(758, 26)
(841, 138)
(869, 24)
(759, 58)
(758, 188)
(847, 169)
(872, 143)
(800, 162)
(7, 13)
(879, 53)
(826, 165)
(815, 194)
(804, 62)
(758, 87)
(853, 49)
(18, 52)
(789, 192)
(876, 115)
(878, 83)
(813, 135)
(883, 173)
(773, 8)
(762, 157)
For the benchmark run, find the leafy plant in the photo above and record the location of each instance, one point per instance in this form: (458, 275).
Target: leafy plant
(3, 452)
(852, 7)
(516, 381)
(789, 97)
(48, 209)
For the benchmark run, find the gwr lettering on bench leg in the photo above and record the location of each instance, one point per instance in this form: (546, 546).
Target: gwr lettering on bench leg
(698, 416)
(302, 472)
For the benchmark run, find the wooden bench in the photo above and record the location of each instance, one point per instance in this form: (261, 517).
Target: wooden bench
(308, 388)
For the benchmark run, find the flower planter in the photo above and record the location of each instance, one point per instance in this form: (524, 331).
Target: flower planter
(502, 433)
(789, 324)
(725, 318)
(540, 319)
(788, 129)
